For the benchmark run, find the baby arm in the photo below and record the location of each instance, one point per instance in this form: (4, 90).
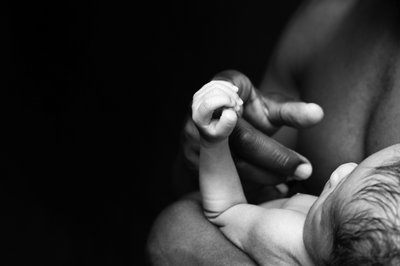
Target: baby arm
(267, 235)
(220, 186)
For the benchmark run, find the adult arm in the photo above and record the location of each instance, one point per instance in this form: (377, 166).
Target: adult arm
(181, 235)
(298, 44)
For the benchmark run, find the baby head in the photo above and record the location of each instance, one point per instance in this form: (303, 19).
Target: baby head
(356, 219)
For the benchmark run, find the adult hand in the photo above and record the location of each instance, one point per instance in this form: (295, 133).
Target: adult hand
(258, 157)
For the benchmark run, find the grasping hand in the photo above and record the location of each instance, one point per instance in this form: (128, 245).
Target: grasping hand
(215, 110)
(259, 158)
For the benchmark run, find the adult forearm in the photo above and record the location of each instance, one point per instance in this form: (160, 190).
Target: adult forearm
(181, 235)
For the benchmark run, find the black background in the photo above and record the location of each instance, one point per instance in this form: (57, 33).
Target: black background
(93, 96)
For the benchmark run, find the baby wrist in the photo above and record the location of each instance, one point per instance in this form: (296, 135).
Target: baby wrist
(213, 143)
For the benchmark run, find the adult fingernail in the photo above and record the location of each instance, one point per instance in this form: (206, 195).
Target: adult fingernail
(303, 171)
(315, 110)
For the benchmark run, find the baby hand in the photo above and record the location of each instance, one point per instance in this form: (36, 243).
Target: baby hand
(215, 109)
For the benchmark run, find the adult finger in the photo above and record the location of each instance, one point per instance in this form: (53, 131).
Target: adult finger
(268, 112)
(257, 194)
(268, 193)
(191, 155)
(239, 80)
(263, 151)
(283, 111)
(256, 174)
(190, 131)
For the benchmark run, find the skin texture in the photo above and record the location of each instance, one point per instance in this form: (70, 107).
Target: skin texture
(249, 226)
(342, 55)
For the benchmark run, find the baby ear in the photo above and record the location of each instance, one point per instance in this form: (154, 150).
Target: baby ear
(341, 172)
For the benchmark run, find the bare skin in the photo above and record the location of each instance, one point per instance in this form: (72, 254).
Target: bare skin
(342, 55)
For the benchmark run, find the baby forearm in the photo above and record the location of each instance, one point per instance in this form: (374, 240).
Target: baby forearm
(219, 181)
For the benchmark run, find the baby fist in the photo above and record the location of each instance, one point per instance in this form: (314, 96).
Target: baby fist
(215, 109)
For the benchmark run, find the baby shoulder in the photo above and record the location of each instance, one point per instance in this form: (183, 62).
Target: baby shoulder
(279, 235)
(280, 222)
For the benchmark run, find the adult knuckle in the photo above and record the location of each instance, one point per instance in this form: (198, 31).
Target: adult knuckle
(280, 115)
(280, 158)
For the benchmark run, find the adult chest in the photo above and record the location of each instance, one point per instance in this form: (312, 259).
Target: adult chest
(356, 81)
